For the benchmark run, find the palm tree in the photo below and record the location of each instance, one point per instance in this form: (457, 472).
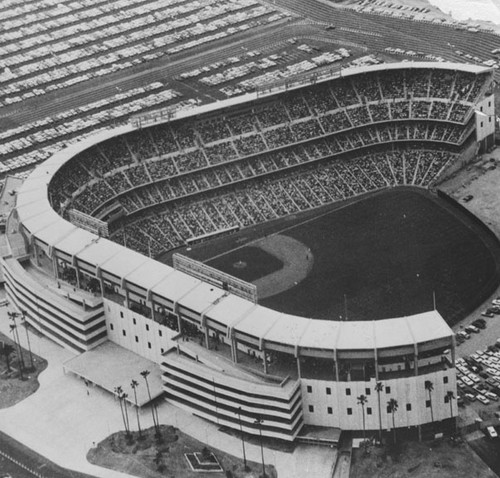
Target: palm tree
(392, 406)
(145, 374)
(362, 399)
(124, 398)
(119, 394)
(6, 351)
(134, 384)
(429, 386)
(13, 329)
(379, 386)
(450, 396)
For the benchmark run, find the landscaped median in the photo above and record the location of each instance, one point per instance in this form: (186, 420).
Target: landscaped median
(19, 370)
(171, 454)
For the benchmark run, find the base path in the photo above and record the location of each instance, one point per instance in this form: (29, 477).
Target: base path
(297, 261)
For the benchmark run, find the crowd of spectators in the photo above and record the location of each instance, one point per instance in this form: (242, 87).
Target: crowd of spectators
(283, 156)
(269, 197)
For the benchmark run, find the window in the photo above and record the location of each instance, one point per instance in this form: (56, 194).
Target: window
(147, 327)
(111, 326)
(162, 351)
(482, 122)
(368, 391)
(347, 391)
(428, 403)
(137, 339)
(311, 408)
(388, 409)
(124, 332)
(349, 411)
(309, 389)
(121, 315)
(445, 379)
(446, 400)
(408, 407)
(368, 410)
(481, 109)
(159, 333)
(328, 391)
(387, 389)
(329, 410)
(134, 321)
(149, 345)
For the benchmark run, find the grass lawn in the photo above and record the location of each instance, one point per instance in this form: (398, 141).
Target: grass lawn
(427, 459)
(148, 459)
(12, 388)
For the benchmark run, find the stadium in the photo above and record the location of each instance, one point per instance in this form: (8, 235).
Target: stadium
(210, 180)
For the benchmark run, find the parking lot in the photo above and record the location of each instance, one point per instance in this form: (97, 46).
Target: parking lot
(478, 364)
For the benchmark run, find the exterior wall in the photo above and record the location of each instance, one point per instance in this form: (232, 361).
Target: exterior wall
(485, 117)
(408, 390)
(123, 326)
(218, 397)
(57, 318)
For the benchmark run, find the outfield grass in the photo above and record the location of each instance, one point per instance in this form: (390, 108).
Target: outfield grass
(386, 256)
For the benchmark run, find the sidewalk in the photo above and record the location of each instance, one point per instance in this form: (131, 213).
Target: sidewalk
(61, 421)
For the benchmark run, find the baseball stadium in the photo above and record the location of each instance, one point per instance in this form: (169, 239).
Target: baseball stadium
(277, 254)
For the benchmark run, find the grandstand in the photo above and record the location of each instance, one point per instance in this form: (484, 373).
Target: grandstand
(228, 166)
(236, 167)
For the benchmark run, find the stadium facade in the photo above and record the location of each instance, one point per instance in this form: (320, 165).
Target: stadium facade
(224, 357)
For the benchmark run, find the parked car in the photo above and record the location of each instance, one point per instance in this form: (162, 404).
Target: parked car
(468, 198)
(491, 396)
(487, 314)
(472, 328)
(483, 399)
(479, 324)
(491, 432)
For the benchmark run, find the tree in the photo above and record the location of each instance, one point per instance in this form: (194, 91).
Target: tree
(6, 351)
(145, 374)
(450, 396)
(379, 386)
(362, 399)
(15, 335)
(119, 393)
(392, 407)
(429, 386)
(134, 384)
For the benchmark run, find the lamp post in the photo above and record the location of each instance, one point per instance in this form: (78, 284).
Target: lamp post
(242, 441)
(258, 421)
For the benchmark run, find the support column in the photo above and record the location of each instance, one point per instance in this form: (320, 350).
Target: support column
(264, 356)
(207, 338)
(298, 366)
(415, 364)
(234, 349)
(335, 358)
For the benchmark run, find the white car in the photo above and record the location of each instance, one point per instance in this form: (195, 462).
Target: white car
(467, 381)
(482, 399)
(491, 396)
(492, 433)
(474, 378)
